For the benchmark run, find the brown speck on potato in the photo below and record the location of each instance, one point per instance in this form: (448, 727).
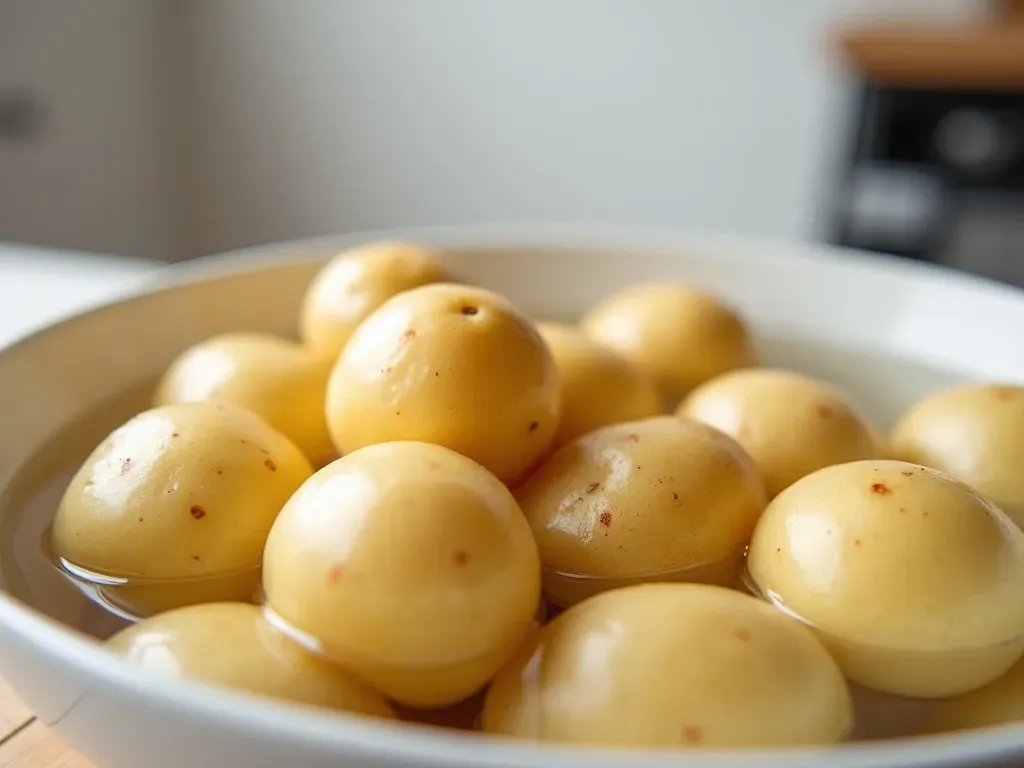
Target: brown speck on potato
(742, 635)
(220, 471)
(533, 426)
(825, 411)
(907, 473)
(1005, 394)
(675, 497)
(244, 441)
(593, 487)
(174, 434)
(398, 413)
(461, 557)
(632, 437)
(140, 519)
(197, 512)
(605, 519)
(409, 334)
(778, 550)
(269, 464)
(436, 374)
(334, 573)
(196, 558)
(125, 466)
(469, 310)
(881, 489)
(856, 542)
(692, 734)
(264, 451)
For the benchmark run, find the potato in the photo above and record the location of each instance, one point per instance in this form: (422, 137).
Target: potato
(998, 703)
(274, 378)
(914, 580)
(975, 433)
(179, 492)
(657, 499)
(790, 424)
(451, 365)
(676, 334)
(410, 564)
(356, 282)
(672, 665)
(598, 386)
(231, 645)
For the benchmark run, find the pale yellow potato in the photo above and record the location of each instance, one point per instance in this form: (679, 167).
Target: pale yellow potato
(452, 365)
(232, 645)
(678, 335)
(599, 387)
(672, 665)
(998, 703)
(975, 433)
(914, 580)
(411, 564)
(655, 499)
(277, 379)
(790, 424)
(356, 282)
(181, 491)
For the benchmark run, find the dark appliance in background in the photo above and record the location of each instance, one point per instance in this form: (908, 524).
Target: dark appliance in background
(936, 168)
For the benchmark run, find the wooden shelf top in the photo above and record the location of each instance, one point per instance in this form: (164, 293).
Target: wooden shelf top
(978, 57)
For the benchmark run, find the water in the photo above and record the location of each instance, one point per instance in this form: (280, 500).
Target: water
(880, 386)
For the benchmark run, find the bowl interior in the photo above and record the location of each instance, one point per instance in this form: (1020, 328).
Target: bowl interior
(884, 331)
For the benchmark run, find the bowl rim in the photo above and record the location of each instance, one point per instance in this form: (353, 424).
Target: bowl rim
(361, 738)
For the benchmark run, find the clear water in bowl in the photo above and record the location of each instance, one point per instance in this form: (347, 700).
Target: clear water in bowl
(881, 386)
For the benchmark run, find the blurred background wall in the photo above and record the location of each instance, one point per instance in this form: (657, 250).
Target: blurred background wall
(168, 129)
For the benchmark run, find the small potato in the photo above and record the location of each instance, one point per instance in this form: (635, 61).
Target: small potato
(232, 645)
(274, 378)
(913, 579)
(657, 499)
(179, 492)
(451, 365)
(672, 665)
(976, 434)
(998, 703)
(790, 424)
(677, 335)
(598, 386)
(410, 564)
(357, 281)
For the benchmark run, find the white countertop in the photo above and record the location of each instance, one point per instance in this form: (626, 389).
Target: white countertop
(39, 286)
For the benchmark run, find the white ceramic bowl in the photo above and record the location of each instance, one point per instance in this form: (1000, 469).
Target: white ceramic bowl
(886, 330)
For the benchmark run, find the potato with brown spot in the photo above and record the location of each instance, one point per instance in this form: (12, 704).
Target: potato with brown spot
(201, 494)
(411, 565)
(914, 580)
(671, 665)
(975, 433)
(357, 281)
(599, 387)
(677, 335)
(658, 499)
(497, 400)
(232, 645)
(790, 424)
(274, 378)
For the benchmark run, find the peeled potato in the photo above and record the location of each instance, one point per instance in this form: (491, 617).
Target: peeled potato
(452, 365)
(790, 424)
(598, 386)
(182, 491)
(274, 378)
(357, 281)
(409, 563)
(976, 434)
(678, 335)
(913, 579)
(655, 499)
(232, 645)
(672, 665)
